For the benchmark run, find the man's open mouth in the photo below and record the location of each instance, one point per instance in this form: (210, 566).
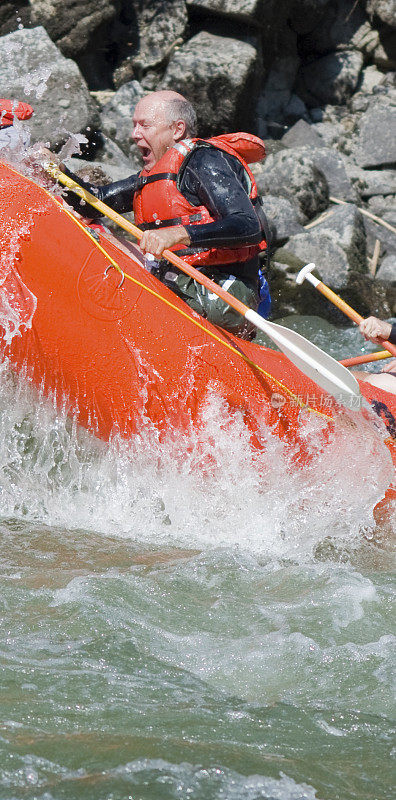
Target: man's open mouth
(146, 152)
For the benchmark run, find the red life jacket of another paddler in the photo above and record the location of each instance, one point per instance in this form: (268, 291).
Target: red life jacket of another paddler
(158, 201)
(13, 108)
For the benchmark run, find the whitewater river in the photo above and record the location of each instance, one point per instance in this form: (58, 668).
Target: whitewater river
(173, 630)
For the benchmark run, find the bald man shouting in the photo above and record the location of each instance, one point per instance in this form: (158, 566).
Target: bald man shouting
(196, 197)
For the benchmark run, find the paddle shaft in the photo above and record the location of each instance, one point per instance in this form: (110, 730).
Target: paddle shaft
(343, 306)
(365, 359)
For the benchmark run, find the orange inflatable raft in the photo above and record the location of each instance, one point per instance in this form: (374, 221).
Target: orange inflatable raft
(126, 354)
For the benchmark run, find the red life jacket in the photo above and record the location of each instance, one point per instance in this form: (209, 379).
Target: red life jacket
(164, 206)
(12, 108)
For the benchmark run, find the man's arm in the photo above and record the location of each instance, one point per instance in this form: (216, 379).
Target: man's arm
(118, 195)
(210, 180)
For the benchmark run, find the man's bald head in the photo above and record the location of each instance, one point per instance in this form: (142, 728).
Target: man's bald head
(163, 95)
(173, 106)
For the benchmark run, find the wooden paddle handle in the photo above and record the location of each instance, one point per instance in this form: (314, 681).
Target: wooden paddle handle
(337, 301)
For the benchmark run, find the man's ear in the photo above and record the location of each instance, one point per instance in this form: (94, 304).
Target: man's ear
(179, 130)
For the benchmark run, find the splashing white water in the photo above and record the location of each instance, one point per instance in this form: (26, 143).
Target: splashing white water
(17, 302)
(206, 487)
(17, 305)
(72, 146)
(35, 81)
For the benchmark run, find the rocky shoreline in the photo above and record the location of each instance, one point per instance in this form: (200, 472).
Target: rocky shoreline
(314, 78)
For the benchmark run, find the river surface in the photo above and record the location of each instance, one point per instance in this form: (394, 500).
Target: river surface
(170, 631)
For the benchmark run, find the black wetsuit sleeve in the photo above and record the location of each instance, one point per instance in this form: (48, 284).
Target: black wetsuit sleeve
(392, 335)
(210, 180)
(118, 195)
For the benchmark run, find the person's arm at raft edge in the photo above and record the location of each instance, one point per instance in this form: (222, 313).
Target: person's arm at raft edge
(117, 195)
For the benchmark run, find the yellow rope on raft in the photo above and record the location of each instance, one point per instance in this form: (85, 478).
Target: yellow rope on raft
(155, 294)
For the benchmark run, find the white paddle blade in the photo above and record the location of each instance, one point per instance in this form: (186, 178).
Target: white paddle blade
(331, 376)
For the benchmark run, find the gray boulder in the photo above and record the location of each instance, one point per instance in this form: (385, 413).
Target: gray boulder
(333, 166)
(373, 182)
(384, 55)
(329, 132)
(384, 9)
(74, 26)
(330, 79)
(99, 172)
(387, 270)
(116, 116)
(244, 10)
(342, 25)
(287, 296)
(111, 155)
(283, 216)
(301, 134)
(217, 74)
(322, 249)
(33, 69)
(297, 179)
(155, 28)
(337, 246)
(346, 226)
(277, 101)
(370, 296)
(387, 239)
(383, 207)
(370, 78)
(375, 139)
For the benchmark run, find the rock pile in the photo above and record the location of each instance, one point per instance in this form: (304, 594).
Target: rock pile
(314, 78)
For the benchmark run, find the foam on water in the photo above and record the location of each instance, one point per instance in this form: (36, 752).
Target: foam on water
(176, 780)
(17, 305)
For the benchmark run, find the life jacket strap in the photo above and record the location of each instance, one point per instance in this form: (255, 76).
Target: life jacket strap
(187, 219)
(143, 180)
(265, 228)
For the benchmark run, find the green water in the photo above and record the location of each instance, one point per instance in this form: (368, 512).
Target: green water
(167, 634)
